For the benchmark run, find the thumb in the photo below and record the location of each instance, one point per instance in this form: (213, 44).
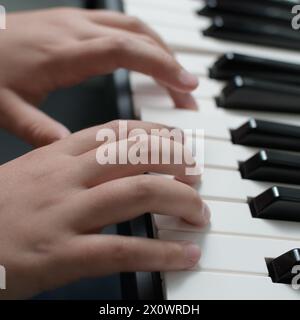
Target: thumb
(28, 123)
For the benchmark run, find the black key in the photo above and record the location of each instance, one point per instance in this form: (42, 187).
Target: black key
(232, 64)
(277, 203)
(253, 32)
(272, 166)
(249, 94)
(267, 134)
(281, 268)
(274, 11)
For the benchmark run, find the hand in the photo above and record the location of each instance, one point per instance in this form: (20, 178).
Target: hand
(46, 50)
(56, 199)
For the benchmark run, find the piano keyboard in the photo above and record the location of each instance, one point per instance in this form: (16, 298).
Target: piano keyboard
(251, 180)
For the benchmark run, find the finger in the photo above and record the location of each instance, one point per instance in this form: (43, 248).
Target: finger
(86, 140)
(132, 24)
(94, 255)
(183, 100)
(127, 198)
(104, 55)
(137, 155)
(27, 122)
(125, 22)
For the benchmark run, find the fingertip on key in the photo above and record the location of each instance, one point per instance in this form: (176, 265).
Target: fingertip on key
(190, 103)
(192, 255)
(188, 80)
(206, 214)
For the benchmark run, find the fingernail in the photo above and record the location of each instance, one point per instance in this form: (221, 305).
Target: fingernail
(192, 255)
(185, 101)
(187, 79)
(206, 214)
(63, 132)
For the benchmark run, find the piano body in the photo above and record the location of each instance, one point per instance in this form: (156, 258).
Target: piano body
(246, 56)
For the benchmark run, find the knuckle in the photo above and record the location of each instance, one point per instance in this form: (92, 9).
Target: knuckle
(135, 23)
(117, 48)
(114, 125)
(144, 189)
(121, 252)
(196, 199)
(148, 40)
(119, 43)
(46, 246)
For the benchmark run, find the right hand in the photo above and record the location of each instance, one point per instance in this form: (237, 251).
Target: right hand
(46, 50)
(55, 200)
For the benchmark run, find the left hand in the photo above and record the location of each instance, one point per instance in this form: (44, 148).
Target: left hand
(45, 50)
(55, 199)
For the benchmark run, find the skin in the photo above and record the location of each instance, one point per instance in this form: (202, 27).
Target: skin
(62, 47)
(57, 198)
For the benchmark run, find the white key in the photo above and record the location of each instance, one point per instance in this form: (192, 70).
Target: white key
(194, 41)
(164, 101)
(225, 155)
(147, 90)
(228, 253)
(186, 119)
(184, 6)
(214, 285)
(197, 64)
(233, 219)
(158, 101)
(228, 185)
(223, 286)
(150, 101)
(215, 125)
(146, 85)
(172, 18)
(209, 107)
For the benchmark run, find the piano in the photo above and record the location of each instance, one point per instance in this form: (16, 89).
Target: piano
(246, 56)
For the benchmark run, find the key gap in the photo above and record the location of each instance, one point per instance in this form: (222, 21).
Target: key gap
(234, 272)
(233, 234)
(220, 199)
(211, 166)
